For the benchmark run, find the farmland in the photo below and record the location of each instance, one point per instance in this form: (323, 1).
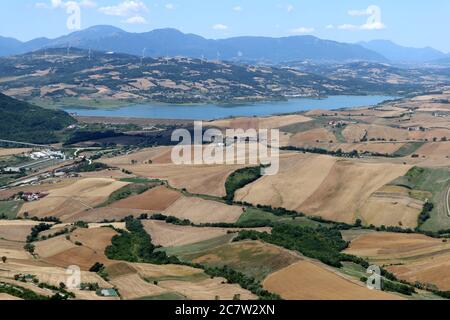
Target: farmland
(356, 187)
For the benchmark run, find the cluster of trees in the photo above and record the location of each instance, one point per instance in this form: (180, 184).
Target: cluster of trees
(240, 179)
(425, 214)
(128, 191)
(20, 292)
(319, 243)
(28, 123)
(246, 282)
(337, 153)
(80, 136)
(136, 246)
(167, 219)
(85, 166)
(34, 235)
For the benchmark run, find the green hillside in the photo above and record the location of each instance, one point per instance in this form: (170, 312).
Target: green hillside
(24, 122)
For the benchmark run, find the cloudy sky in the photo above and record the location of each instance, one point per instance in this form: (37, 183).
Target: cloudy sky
(411, 23)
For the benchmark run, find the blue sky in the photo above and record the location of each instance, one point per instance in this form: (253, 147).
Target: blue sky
(411, 23)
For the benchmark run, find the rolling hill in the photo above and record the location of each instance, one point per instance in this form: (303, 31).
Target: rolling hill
(28, 123)
(58, 77)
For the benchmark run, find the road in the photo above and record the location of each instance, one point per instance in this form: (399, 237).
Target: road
(448, 204)
(27, 144)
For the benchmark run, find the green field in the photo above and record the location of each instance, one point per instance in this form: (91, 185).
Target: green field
(9, 209)
(129, 191)
(196, 277)
(181, 251)
(252, 258)
(434, 182)
(255, 215)
(169, 296)
(408, 149)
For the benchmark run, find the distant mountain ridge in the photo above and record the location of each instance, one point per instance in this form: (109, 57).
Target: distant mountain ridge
(171, 42)
(397, 53)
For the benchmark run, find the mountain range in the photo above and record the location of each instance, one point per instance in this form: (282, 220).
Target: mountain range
(171, 42)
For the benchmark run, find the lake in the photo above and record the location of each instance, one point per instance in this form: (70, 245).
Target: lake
(215, 111)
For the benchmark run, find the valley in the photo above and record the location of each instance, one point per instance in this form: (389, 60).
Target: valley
(355, 187)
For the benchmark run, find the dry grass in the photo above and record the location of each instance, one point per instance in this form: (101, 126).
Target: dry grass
(168, 235)
(156, 199)
(204, 211)
(411, 257)
(260, 123)
(13, 152)
(392, 206)
(74, 198)
(16, 230)
(312, 281)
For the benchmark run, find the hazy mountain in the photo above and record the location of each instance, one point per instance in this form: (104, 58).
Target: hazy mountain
(171, 42)
(9, 46)
(395, 52)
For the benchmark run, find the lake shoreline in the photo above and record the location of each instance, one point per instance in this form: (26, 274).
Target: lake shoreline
(209, 112)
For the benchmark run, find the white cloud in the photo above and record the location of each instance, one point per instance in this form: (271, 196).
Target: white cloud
(220, 26)
(59, 4)
(330, 26)
(170, 6)
(237, 8)
(373, 22)
(136, 20)
(124, 9)
(290, 8)
(302, 30)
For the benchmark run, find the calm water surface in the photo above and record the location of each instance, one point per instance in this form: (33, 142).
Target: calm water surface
(214, 111)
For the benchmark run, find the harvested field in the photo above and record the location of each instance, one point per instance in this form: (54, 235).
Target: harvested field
(392, 206)
(204, 211)
(44, 187)
(321, 185)
(411, 257)
(132, 286)
(188, 282)
(13, 250)
(16, 230)
(434, 154)
(299, 176)
(70, 200)
(259, 123)
(357, 132)
(253, 258)
(312, 281)
(201, 179)
(156, 199)
(7, 297)
(62, 252)
(12, 152)
(101, 214)
(168, 235)
(208, 289)
(53, 246)
(347, 188)
(312, 136)
(144, 156)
